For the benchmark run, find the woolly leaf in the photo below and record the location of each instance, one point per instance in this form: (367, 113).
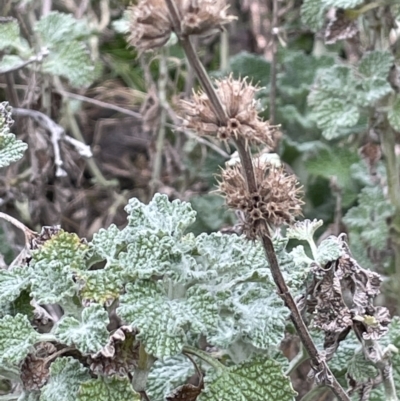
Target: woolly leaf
(328, 251)
(66, 375)
(53, 266)
(16, 338)
(369, 217)
(72, 61)
(57, 28)
(343, 355)
(10, 61)
(9, 34)
(102, 286)
(11, 149)
(360, 369)
(88, 335)
(160, 216)
(165, 375)
(149, 255)
(107, 243)
(372, 90)
(304, 230)
(376, 64)
(261, 315)
(260, 379)
(163, 322)
(312, 14)
(29, 396)
(107, 389)
(12, 282)
(394, 114)
(333, 114)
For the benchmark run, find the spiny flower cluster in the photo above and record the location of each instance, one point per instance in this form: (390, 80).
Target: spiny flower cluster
(151, 25)
(276, 201)
(237, 98)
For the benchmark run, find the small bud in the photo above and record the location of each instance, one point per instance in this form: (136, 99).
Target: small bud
(237, 97)
(276, 201)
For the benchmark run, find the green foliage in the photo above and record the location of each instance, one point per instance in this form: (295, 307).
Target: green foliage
(11, 149)
(66, 377)
(368, 218)
(53, 267)
(89, 334)
(259, 380)
(394, 114)
(105, 389)
(12, 282)
(16, 339)
(166, 375)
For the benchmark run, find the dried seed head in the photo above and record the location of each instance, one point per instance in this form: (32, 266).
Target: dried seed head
(276, 201)
(201, 17)
(151, 25)
(237, 97)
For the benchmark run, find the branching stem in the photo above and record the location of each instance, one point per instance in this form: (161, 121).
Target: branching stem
(318, 363)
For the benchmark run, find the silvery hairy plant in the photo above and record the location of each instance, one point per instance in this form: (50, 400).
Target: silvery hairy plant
(153, 312)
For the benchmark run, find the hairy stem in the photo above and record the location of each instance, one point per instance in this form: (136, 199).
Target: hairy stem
(245, 156)
(188, 349)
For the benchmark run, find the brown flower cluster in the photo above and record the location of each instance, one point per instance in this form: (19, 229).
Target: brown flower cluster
(276, 202)
(237, 97)
(151, 25)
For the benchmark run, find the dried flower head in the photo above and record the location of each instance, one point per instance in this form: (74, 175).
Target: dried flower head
(276, 201)
(237, 97)
(151, 25)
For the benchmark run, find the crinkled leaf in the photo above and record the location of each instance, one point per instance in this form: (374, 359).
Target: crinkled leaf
(88, 335)
(333, 114)
(9, 34)
(312, 14)
(369, 217)
(148, 255)
(66, 375)
(376, 64)
(165, 375)
(11, 149)
(122, 25)
(72, 61)
(394, 114)
(57, 28)
(53, 267)
(261, 316)
(304, 230)
(299, 274)
(260, 379)
(10, 61)
(16, 338)
(163, 323)
(102, 286)
(107, 243)
(29, 396)
(12, 282)
(107, 389)
(373, 89)
(160, 216)
(328, 251)
(360, 369)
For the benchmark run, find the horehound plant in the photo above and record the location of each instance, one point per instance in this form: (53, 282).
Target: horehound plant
(153, 312)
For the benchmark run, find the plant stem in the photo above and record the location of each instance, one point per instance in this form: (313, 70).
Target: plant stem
(272, 93)
(301, 357)
(245, 156)
(188, 349)
(388, 143)
(162, 97)
(313, 393)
